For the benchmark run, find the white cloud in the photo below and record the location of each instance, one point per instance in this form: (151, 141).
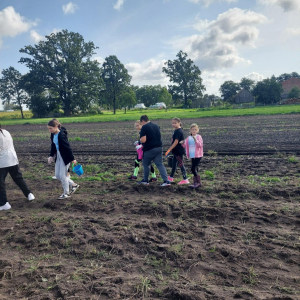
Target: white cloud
(255, 76)
(287, 5)
(99, 59)
(218, 44)
(209, 2)
(35, 36)
(293, 31)
(12, 23)
(119, 4)
(69, 8)
(147, 72)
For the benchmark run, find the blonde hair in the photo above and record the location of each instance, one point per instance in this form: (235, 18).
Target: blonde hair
(194, 125)
(177, 120)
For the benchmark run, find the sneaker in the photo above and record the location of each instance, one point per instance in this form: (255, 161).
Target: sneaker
(74, 188)
(171, 179)
(143, 182)
(64, 196)
(183, 181)
(31, 197)
(166, 183)
(132, 177)
(153, 179)
(6, 206)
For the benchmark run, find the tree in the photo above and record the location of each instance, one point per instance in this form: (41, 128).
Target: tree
(11, 89)
(294, 92)
(148, 94)
(62, 64)
(229, 89)
(247, 84)
(286, 76)
(116, 79)
(165, 96)
(128, 98)
(186, 78)
(268, 91)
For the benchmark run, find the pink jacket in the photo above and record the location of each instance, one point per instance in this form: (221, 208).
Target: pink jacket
(199, 146)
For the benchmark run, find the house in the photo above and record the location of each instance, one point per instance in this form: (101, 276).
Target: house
(243, 96)
(287, 86)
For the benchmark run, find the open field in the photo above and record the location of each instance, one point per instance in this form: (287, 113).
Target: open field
(237, 237)
(132, 115)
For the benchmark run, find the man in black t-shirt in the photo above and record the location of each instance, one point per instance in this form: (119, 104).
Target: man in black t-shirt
(150, 137)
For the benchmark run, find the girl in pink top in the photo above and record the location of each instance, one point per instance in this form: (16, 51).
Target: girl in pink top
(194, 150)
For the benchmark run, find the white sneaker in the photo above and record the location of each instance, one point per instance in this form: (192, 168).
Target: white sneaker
(31, 197)
(6, 206)
(74, 188)
(64, 196)
(53, 177)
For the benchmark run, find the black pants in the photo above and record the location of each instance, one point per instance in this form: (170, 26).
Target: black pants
(195, 164)
(178, 160)
(137, 164)
(17, 177)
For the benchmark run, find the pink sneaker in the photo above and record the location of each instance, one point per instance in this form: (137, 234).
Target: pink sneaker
(171, 179)
(184, 181)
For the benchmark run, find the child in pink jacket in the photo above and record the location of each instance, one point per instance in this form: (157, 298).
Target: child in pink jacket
(194, 150)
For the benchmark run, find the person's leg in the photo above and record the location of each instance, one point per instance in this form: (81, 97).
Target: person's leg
(174, 166)
(70, 181)
(17, 177)
(194, 167)
(3, 197)
(136, 166)
(147, 159)
(181, 165)
(152, 171)
(158, 152)
(61, 171)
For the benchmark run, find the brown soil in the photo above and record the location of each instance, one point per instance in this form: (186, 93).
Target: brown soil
(237, 237)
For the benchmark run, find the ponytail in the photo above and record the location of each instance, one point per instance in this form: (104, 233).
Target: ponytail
(54, 123)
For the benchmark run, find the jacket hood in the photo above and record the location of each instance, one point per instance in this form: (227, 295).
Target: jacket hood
(63, 130)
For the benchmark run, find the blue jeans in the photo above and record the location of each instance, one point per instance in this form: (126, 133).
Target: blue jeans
(155, 155)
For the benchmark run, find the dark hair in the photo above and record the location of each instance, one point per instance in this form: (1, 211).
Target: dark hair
(1, 130)
(54, 123)
(178, 120)
(144, 118)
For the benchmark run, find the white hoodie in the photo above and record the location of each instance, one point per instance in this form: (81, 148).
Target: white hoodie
(8, 155)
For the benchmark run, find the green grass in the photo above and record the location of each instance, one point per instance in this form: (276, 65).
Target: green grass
(162, 114)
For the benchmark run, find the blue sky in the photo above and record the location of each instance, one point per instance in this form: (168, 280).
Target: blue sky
(227, 39)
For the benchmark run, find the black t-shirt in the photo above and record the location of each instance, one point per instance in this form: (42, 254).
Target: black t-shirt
(178, 135)
(153, 137)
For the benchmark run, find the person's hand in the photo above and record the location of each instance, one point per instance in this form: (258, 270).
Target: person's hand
(138, 147)
(50, 160)
(167, 153)
(74, 162)
(181, 142)
(136, 143)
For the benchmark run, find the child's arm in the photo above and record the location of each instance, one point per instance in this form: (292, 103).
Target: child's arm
(172, 147)
(199, 141)
(183, 143)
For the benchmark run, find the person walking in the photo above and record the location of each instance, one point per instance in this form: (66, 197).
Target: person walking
(9, 164)
(150, 138)
(194, 150)
(178, 151)
(62, 154)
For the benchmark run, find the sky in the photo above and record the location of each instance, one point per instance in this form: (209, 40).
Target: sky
(226, 39)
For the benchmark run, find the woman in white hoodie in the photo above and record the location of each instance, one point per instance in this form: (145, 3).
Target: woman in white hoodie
(9, 164)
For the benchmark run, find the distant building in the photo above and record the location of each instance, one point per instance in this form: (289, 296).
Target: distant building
(287, 86)
(243, 96)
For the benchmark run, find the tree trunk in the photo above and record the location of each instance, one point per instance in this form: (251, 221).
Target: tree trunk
(125, 110)
(114, 103)
(21, 111)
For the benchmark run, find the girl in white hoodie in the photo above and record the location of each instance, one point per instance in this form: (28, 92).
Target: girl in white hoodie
(9, 164)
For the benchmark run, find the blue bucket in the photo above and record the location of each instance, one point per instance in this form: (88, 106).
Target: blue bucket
(77, 169)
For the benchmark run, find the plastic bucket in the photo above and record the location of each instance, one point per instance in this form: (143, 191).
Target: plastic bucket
(78, 169)
(170, 161)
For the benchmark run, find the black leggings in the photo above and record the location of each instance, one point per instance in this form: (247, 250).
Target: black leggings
(195, 164)
(178, 159)
(137, 164)
(17, 177)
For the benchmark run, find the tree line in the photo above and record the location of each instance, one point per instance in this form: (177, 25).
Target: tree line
(63, 76)
(266, 91)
